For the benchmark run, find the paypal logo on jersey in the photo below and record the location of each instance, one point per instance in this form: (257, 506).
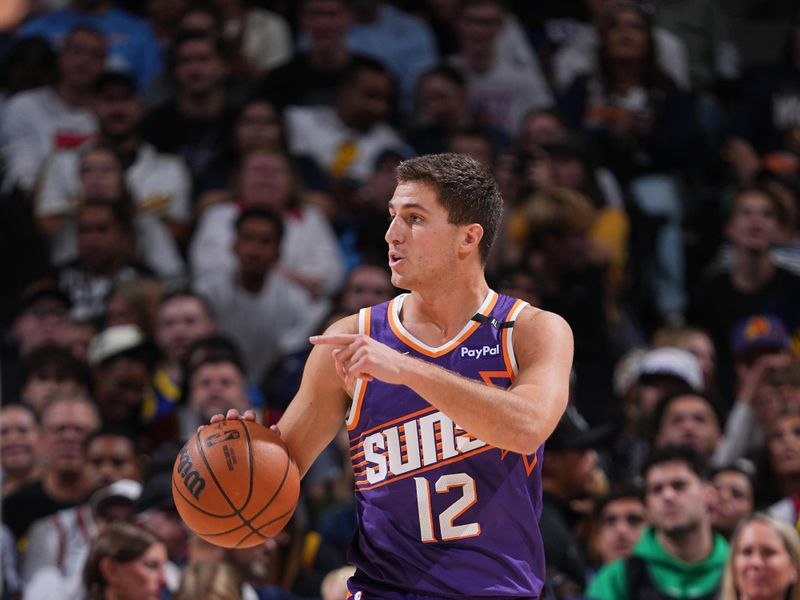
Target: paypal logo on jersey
(479, 352)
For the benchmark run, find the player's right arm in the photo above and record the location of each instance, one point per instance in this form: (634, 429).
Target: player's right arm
(320, 406)
(318, 409)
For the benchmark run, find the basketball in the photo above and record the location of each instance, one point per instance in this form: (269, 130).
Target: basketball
(235, 484)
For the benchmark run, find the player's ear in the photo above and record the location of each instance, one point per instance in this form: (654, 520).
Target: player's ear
(473, 234)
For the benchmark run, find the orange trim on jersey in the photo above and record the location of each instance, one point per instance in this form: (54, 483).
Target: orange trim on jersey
(488, 375)
(418, 413)
(428, 468)
(359, 400)
(449, 346)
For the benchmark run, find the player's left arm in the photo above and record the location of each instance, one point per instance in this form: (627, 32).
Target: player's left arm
(519, 419)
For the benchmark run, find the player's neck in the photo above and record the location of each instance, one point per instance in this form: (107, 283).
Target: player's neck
(445, 310)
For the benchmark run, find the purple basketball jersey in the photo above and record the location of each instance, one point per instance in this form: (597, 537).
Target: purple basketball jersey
(441, 513)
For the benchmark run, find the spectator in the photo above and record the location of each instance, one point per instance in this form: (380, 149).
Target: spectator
(183, 318)
(345, 140)
(66, 422)
(690, 420)
(620, 518)
(643, 126)
(679, 555)
(443, 111)
(577, 57)
(405, 45)
(735, 497)
(262, 35)
(657, 374)
(102, 178)
(309, 253)
(754, 285)
(135, 303)
(51, 370)
(250, 300)
(122, 360)
(512, 46)
(697, 341)
(132, 45)
(61, 541)
(568, 473)
(159, 183)
(196, 122)
(779, 485)
(500, 93)
(764, 560)
(41, 120)
(42, 319)
(574, 285)
(366, 285)
(313, 74)
(163, 18)
(760, 347)
(125, 562)
(215, 381)
(106, 240)
(19, 447)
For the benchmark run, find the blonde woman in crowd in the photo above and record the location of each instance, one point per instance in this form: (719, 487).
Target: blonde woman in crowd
(763, 562)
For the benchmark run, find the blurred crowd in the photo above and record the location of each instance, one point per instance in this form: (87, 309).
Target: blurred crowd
(189, 189)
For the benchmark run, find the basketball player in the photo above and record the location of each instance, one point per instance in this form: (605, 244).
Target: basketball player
(448, 393)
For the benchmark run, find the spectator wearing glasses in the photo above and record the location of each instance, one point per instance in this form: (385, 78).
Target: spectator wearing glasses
(66, 422)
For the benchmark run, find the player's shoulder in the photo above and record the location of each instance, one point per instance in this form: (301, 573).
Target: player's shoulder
(348, 324)
(536, 320)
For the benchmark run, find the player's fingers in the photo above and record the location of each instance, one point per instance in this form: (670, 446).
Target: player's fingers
(217, 418)
(275, 430)
(232, 414)
(249, 415)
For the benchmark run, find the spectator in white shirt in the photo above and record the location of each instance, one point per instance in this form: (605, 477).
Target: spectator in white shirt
(36, 122)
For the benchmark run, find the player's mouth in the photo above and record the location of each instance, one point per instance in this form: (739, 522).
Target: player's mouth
(394, 259)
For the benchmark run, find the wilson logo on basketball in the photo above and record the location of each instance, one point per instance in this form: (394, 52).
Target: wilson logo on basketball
(193, 481)
(225, 436)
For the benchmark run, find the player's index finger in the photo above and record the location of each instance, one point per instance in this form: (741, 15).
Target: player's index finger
(336, 339)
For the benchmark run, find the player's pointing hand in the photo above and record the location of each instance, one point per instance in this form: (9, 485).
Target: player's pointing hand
(361, 357)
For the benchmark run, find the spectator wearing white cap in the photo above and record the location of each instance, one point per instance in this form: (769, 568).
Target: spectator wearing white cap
(122, 360)
(653, 376)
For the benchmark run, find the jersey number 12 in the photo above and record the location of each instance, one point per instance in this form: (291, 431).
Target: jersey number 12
(447, 528)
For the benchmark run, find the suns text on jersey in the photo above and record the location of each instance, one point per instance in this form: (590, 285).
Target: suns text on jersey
(416, 444)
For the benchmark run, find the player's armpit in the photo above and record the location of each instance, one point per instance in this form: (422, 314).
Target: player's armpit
(319, 408)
